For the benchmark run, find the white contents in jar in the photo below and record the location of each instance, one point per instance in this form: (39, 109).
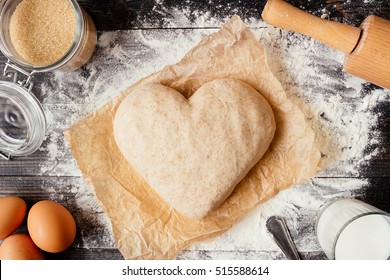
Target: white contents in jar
(366, 238)
(42, 31)
(353, 230)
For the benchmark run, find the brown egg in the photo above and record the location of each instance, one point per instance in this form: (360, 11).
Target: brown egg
(12, 212)
(20, 247)
(51, 226)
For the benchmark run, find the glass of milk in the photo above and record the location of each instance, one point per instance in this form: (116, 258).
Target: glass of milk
(350, 229)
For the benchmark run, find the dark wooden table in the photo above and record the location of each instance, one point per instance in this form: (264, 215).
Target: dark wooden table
(52, 173)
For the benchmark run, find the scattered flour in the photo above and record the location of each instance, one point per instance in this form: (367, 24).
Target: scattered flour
(338, 106)
(89, 211)
(96, 231)
(249, 234)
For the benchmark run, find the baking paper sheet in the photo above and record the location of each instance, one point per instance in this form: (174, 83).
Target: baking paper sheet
(144, 226)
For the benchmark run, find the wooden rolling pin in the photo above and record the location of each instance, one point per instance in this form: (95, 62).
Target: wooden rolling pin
(367, 48)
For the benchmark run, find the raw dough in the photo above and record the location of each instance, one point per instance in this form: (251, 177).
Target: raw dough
(193, 152)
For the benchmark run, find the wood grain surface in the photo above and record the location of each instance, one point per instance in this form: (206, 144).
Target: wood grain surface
(52, 172)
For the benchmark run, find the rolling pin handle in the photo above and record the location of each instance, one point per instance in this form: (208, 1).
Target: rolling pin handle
(337, 35)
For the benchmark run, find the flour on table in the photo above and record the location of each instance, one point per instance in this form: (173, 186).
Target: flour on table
(100, 235)
(340, 108)
(250, 235)
(335, 103)
(188, 14)
(96, 231)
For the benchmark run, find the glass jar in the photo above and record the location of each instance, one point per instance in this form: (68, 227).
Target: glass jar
(78, 54)
(22, 119)
(348, 228)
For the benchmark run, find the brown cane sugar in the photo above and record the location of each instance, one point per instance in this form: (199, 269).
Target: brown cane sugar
(42, 31)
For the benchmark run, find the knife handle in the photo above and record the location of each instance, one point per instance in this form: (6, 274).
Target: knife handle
(337, 35)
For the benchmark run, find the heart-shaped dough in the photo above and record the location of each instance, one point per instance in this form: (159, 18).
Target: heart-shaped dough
(193, 152)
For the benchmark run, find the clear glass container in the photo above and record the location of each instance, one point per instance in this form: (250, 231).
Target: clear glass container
(78, 54)
(350, 229)
(22, 119)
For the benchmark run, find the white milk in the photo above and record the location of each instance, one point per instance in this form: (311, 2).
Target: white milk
(366, 238)
(351, 229)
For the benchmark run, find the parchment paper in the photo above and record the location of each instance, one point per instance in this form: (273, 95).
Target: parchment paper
(144, 226)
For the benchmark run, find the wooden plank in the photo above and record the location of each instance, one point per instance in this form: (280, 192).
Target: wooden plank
(86, 254)
(112, 254)
(376, 193)
(354, 12)
(245, 255)
(94, 239)
(130, 14)
(93, 226)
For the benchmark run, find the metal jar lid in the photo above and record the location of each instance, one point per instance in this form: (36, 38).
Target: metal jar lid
(22, 119)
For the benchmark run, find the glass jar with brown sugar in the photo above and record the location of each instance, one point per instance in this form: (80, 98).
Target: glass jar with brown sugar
(46, 35)
(36, 36)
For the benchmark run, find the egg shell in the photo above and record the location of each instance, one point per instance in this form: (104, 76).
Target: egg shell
(20, 246)
(51, 226)
(12, 212)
